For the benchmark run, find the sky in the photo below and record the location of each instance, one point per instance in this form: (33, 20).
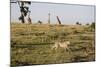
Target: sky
(67, 13)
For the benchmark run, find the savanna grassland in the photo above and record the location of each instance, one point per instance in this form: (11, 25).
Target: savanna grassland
(31, 44)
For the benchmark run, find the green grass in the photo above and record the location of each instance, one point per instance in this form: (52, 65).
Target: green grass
(31, 44)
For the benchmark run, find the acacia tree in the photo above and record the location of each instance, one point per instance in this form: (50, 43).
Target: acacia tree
(77, 23)
(40, 22)
(87, 24)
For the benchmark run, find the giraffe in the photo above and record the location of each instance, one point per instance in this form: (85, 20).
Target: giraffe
(29, 19)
